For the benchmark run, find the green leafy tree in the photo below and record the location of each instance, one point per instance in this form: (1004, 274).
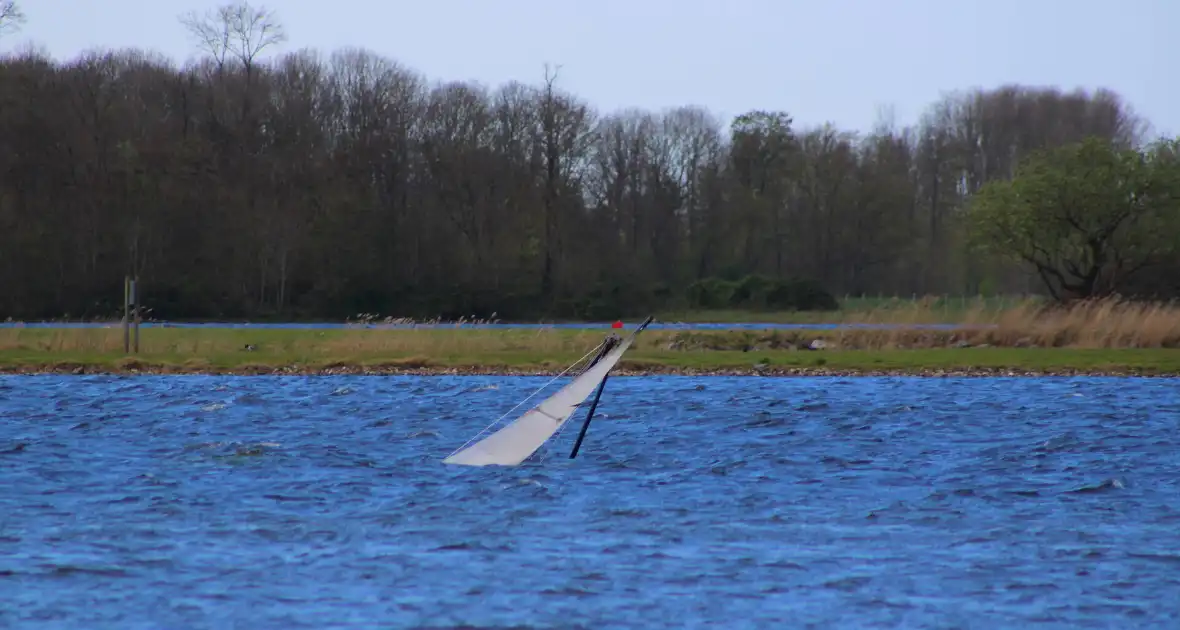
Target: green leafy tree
(1086, 216)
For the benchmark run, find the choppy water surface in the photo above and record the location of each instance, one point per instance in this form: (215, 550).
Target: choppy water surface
(267, 502)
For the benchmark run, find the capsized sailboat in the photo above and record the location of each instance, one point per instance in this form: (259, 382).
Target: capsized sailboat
(519, 439)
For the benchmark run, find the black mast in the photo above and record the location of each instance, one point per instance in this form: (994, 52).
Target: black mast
(610, 343)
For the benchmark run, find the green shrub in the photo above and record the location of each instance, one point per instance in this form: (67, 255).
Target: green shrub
(758, 292)
(711, 293)
(801, 295)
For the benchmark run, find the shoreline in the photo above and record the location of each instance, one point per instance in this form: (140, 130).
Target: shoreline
(770, 371)
(549, 352)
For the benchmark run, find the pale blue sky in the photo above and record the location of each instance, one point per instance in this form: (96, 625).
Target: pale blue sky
(820, 60)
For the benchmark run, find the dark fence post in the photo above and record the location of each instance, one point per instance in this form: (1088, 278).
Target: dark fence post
(135, 309)
(126, 314)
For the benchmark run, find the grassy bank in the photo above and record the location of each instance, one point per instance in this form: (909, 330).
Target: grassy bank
(933, 362)
(1096, 338)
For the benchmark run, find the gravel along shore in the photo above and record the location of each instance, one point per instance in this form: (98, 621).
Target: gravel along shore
(136, 368)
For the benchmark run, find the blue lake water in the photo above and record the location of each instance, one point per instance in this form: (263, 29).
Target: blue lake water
(320, 502)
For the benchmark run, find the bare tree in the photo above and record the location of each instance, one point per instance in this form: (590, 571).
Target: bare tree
(11, 17)
(563, 140)
(236, 31)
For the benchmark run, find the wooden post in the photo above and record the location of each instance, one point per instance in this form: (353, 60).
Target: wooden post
(126, 314)
(135, 310)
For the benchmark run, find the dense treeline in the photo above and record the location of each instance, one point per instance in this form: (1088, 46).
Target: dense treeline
(313, 185)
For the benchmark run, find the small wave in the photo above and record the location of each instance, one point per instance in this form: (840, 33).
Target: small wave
(628, 512)
(19, 447)
(568, 591)
(478, 388)
(1057, 443)
(473, 546)
(285, 498)
(850, 583)
(764, 419)
(236, 448)
(65, 570)
(1105, 485)
(203, 445)
(249, 398)
(1169, 558)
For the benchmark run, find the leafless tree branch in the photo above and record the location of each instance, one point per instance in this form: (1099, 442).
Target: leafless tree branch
(11, 17)
(236, 31)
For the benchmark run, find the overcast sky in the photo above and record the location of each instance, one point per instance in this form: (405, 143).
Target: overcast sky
(834, 61)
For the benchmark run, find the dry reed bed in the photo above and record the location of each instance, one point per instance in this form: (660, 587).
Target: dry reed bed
(1107, 323)
(923, 310)
(1097, 324)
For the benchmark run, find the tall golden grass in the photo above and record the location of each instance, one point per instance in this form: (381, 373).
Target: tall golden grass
(1102, 323)
(1105, 323)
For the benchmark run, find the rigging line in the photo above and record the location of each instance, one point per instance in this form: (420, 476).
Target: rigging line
(607, 345)
(556, 435)
(565, 424)
(539, 389)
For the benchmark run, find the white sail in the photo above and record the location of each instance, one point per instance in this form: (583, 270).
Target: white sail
(514, 443)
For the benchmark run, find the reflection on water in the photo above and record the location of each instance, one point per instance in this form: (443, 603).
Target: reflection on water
(313, 502)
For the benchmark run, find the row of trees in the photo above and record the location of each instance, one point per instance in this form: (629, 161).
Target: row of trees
(312, 185)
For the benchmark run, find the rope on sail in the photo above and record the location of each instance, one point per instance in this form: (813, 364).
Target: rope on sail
(538, 391)
(553, 440)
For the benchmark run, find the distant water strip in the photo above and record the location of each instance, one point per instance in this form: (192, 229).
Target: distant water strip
(503, 325)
